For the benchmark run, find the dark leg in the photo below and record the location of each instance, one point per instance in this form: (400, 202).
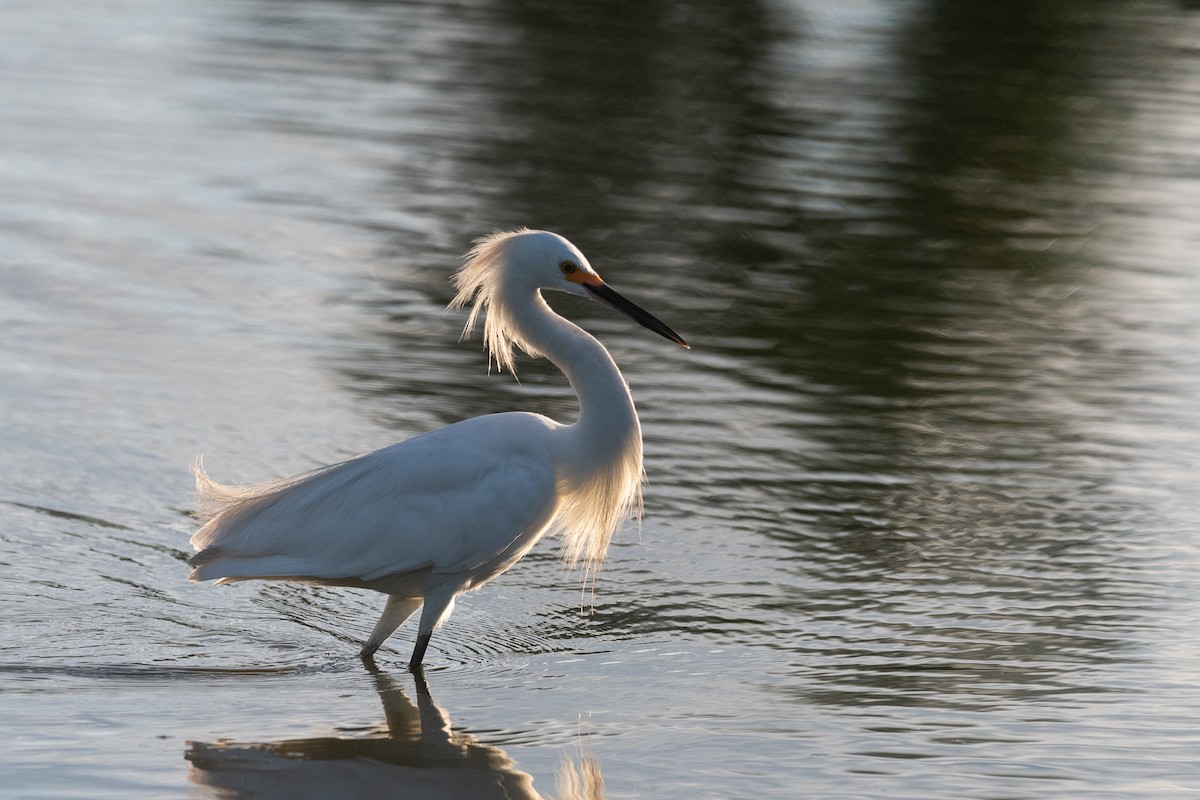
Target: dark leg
(414, 663)
(439, 602)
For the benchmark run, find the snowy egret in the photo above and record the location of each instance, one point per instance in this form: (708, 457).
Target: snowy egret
(442, 513)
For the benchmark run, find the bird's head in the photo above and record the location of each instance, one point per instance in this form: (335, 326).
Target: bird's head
(527, 261)
(544, 260)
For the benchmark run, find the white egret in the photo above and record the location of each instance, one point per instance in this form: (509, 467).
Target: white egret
(442, 513)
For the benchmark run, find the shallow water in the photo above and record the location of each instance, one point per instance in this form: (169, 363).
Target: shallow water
(921, 519)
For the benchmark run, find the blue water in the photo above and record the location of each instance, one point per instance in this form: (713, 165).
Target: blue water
(921, 519)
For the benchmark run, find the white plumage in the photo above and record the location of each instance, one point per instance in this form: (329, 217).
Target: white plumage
(442, 513)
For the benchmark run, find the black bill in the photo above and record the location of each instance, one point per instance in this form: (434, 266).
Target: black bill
(644, 318)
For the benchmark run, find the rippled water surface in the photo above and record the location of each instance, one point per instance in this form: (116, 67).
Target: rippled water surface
(922, 514)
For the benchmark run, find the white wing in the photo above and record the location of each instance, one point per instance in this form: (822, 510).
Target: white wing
(453, 500)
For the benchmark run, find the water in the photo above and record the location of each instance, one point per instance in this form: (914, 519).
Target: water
(921, 519)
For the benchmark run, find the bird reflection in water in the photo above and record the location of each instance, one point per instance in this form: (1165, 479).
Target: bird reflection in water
(417, 754)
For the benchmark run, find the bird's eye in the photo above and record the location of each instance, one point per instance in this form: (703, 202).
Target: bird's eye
(567, 267)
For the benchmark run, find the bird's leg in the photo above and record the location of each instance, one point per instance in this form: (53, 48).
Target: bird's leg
(439, 602)
(414, 663)
(395, 613)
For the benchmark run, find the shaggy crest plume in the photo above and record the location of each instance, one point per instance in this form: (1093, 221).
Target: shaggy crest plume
(479, 278)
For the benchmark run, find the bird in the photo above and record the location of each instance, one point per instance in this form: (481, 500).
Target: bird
(431, 517)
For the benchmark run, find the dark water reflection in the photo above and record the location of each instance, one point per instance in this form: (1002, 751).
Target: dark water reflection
(416, 752)
(920, 519)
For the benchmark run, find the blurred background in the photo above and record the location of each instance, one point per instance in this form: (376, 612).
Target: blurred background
(921, 518)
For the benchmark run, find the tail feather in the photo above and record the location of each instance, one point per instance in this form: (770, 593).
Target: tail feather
(213, 499)
(218, 504)
(229, 547)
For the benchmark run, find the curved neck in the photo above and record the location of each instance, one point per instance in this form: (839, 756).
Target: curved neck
(598, 459)
(606, 413)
